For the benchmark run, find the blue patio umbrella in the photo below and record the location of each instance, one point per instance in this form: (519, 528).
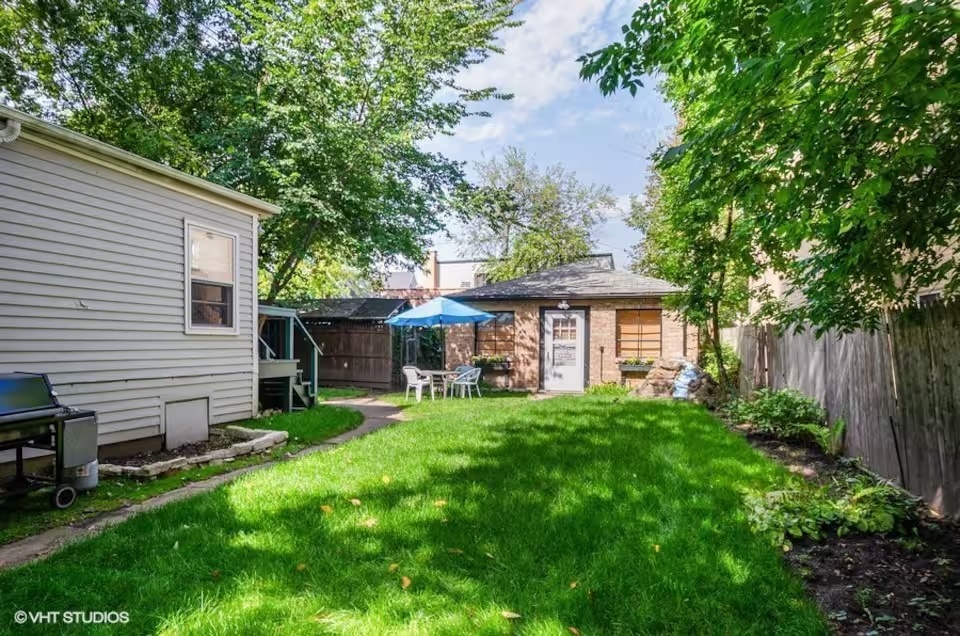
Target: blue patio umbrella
(439, 312)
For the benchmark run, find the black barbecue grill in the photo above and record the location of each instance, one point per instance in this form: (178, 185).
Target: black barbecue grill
(31, 416)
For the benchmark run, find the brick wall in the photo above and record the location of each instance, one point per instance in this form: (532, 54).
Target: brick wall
(525, 373)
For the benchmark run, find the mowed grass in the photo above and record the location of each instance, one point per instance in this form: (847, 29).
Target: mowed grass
(612, 517)
(325, 393)
(32, 514)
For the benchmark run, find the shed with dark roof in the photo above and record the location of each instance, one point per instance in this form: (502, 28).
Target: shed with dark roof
(581, 279)
(565, 328)
(353, 308)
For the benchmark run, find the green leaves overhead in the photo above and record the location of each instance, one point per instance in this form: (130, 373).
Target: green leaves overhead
(320, 106)
(830, 127)
(526, 218)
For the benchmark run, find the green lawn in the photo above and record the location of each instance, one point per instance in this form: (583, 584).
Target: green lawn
(606, 516)
(33, 514)
(339, 392)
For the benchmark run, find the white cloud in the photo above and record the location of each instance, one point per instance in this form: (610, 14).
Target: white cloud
(539, 63)
(602, 113)
(489, 129)
(621, 207)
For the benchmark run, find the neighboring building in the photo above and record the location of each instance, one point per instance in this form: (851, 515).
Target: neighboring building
(566, 328)
(772, 285)
(130, 283)
(441, 278)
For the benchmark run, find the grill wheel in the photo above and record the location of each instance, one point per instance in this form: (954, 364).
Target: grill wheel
(63, 497)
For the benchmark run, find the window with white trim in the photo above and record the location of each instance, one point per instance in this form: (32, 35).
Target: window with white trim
(212, 278)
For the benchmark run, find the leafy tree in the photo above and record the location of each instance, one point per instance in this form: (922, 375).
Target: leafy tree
(320, 276)
(316, 105)
(702, 248)
(829, 127)
(526, 219)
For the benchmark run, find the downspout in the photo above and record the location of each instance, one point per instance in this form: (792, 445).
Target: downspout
(10, 132)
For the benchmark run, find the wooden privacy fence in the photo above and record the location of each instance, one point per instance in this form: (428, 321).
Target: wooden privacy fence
(355, 353)
(898, 390)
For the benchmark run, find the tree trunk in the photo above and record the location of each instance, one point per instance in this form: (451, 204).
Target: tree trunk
(724, 378)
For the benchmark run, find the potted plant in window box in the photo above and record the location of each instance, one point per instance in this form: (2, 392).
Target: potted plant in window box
(635, 364)
(491, 363)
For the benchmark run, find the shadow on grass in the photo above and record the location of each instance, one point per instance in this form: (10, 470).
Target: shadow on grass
(611, 517)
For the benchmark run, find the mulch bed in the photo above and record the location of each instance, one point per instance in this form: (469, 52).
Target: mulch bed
(873, 584)
(190, 450)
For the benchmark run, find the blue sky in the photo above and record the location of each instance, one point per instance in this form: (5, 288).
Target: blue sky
(557, 118)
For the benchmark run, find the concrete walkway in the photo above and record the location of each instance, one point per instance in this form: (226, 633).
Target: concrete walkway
(376, 414)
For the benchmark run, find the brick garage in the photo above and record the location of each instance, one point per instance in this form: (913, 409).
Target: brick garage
(622, 314)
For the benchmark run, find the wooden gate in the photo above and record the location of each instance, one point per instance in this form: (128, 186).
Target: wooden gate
(354, 353)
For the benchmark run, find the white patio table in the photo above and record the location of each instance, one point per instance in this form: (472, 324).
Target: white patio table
(443, 376)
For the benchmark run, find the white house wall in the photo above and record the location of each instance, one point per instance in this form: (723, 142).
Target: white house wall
(453, 275)
(92, 292)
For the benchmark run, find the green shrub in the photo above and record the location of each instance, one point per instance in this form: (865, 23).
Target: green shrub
(608, 388)
(708, 362)
(863, 504)
(829, 438)
(790, 414)
(786, 412)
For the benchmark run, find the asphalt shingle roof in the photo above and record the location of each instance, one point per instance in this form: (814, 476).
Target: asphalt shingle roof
(582, 279)
(353, 308)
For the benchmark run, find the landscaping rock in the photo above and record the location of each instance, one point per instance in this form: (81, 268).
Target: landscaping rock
(243, 448)
(244, 433)
(222, 453)
(110, 470)
(654, 388)
(706, 391)
(669, 365)
(269, 440)
(661, 374)
(159, 468)
(659, 380)
(249, 441)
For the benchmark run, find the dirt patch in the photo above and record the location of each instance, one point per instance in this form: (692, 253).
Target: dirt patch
(215, 442)
(872, 584)
(805, 459)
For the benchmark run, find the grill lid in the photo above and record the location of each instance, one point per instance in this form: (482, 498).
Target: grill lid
(25, 392)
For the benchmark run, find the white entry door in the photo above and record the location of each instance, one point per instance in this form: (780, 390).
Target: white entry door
(563, 338)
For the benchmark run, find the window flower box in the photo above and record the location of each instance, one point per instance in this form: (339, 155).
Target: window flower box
(635, 365)
(492, 363)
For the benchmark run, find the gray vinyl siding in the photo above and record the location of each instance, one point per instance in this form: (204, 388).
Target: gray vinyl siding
(92, 292)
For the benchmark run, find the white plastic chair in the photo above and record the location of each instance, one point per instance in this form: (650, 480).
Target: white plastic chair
(466, 382)
(417, 380)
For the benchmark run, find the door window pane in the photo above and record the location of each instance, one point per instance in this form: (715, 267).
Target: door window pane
(564, 354)
(564, 329)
